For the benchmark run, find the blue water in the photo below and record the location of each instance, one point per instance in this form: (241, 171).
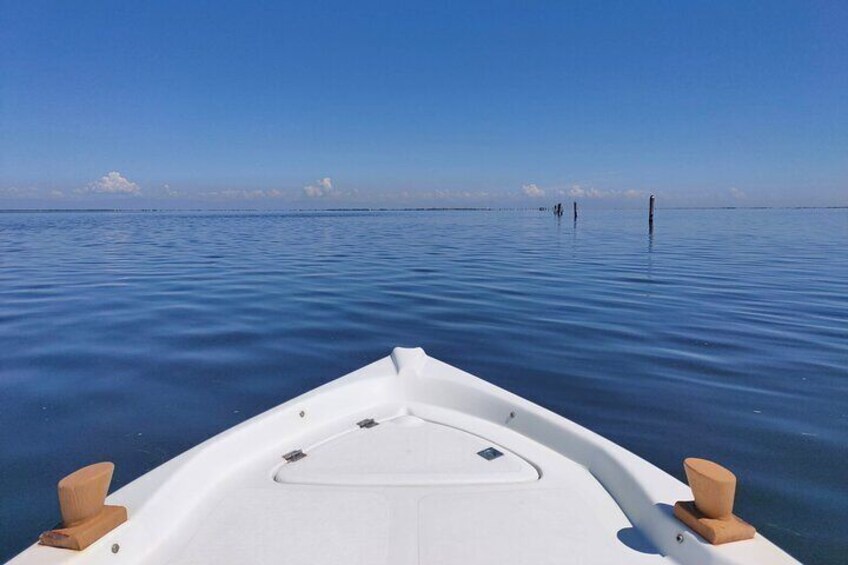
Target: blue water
(133, 336)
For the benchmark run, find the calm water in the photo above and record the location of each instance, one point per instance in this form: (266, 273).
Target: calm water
(132, 337)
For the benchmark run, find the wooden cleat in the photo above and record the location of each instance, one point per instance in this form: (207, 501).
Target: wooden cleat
(86, 532)
(711, 513)
(85, 519)
(715, 530)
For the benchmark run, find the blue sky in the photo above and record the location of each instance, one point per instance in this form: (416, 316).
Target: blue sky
(325, 104)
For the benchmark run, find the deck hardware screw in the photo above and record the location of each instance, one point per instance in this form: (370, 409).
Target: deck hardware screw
(116, 548)
(512, 414)
(679, 538)
(302, 413)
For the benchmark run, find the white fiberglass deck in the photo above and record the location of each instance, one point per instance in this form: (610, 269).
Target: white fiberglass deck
(412, 491)
(452, 471)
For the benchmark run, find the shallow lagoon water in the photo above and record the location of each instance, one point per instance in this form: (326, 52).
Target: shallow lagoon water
(134, 336)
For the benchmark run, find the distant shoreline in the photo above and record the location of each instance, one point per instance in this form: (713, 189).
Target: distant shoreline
(413, 209)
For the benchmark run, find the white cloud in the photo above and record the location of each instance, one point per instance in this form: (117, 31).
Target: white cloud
(112, 183)
(737, 194)
(407, 197)
(242, 194)
(321, 188)
(57, 193)
(577, 191)
(18, 192)
(532, 191)
(313, 191)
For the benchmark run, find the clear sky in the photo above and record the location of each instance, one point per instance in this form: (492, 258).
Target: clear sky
(332, 104)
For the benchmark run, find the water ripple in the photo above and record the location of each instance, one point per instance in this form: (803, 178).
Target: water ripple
(724, 334)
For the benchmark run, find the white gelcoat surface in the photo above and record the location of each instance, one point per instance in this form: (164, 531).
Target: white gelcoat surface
(411, 490)
(405, 451)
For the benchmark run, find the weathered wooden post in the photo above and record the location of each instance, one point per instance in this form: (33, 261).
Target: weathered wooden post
(651, 213)
(575, 210)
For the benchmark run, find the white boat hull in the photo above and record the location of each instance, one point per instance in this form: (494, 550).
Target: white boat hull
(411, 488)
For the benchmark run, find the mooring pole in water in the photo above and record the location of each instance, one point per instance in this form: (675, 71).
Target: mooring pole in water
(651, 213)
(575, 210)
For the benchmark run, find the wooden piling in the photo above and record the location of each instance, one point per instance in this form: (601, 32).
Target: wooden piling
(651, 212)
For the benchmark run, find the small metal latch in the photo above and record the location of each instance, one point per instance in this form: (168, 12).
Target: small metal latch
(489, 453)
(293, 456)
(367, 423)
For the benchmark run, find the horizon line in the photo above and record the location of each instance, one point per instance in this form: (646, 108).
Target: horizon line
(397, 209)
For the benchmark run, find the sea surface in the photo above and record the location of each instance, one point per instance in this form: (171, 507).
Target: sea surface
(131, 337)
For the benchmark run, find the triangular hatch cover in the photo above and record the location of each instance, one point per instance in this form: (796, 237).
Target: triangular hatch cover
(406, 451)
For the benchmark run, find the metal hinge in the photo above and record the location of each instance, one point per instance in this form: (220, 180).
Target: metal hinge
(367, 423)
(293, 456)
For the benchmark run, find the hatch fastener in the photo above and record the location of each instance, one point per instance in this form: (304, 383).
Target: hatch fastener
(367, 423)
(490, 453)
(293, 456)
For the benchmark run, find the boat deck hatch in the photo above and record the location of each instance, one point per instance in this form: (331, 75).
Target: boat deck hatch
(407, 451)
